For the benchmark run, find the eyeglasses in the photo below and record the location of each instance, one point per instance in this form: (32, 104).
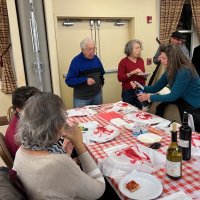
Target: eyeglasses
(90, 49)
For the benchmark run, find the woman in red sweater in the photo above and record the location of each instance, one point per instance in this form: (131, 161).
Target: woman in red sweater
(19, 98)
(130, 69)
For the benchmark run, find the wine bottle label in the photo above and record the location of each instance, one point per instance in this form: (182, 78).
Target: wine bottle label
(184, 143)
(174, 168)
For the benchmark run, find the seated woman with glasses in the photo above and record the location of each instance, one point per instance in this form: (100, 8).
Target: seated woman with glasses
(183, 81)
(52, 175)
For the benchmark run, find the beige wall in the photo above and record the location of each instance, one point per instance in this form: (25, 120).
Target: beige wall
(137, 9)
(5, 99)
(5, 102)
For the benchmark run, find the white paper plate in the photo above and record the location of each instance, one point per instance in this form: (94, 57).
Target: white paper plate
(79, 112)
(118, 122)
(129, 126)
(101, 137)
(150, 187)
(149, 138)
(89, 125)
(143, 74)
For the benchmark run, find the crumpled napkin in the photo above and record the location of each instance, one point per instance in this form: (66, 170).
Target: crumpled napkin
(117, 170)
(196, 140)
(126, 159)
(84, 111)
(123, 106)
(177, 196)
(157, 159)
(195, 150)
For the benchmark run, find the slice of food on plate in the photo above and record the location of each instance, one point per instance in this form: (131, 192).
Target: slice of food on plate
(132, 186)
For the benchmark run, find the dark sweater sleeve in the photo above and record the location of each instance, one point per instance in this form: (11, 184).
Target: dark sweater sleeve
(159, 85)
(102, 72)
(181, 82)
(73, 79)
(196, 59)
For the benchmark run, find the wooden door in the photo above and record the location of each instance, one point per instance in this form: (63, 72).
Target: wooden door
(110, 42)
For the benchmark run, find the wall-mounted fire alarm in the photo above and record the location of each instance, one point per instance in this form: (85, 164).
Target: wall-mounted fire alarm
(149, 19)
(149, 61)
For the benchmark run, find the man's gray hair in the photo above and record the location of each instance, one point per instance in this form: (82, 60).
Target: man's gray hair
(129, 46)
(86, 41)
(41, 121)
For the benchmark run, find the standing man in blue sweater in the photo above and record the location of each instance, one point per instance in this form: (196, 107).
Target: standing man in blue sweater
(86, 76)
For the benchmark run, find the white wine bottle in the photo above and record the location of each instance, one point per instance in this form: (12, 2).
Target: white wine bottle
(174, 156)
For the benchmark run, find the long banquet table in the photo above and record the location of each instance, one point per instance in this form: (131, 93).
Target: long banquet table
(190, 180)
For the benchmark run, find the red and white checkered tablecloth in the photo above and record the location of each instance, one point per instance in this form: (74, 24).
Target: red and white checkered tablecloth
(189, 182)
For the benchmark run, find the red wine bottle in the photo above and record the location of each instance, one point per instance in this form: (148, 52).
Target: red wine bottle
(144, 103)
(185, 135)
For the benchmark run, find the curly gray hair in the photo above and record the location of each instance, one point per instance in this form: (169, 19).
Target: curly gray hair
(129, 46)
(41, 121)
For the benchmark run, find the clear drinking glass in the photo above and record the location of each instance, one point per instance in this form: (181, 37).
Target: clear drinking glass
(139, 128)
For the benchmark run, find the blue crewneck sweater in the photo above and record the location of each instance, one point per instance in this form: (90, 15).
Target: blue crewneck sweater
(185, 85)
(79, 71)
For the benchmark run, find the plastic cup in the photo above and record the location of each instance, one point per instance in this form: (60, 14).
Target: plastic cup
(139, 128)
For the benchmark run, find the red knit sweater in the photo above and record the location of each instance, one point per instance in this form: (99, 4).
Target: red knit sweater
(9, 137)
(126, 66)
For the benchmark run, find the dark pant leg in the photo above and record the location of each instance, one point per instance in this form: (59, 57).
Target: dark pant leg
(180, 103)
(160, 108)
(183, 106)
(130, 97)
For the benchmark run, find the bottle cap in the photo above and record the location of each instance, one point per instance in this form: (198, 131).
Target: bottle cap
(174, 126)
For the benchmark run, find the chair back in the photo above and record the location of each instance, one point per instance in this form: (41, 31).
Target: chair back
(4, 152)
(10, 113)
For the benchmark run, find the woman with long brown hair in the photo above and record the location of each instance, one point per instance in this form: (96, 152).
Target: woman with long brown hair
(183, 82)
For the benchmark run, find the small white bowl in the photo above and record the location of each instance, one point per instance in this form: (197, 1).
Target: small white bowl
(149, 138)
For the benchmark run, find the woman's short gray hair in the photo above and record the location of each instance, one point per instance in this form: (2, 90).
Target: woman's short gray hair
(129, 46)
(86, 41)
(41, 121)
